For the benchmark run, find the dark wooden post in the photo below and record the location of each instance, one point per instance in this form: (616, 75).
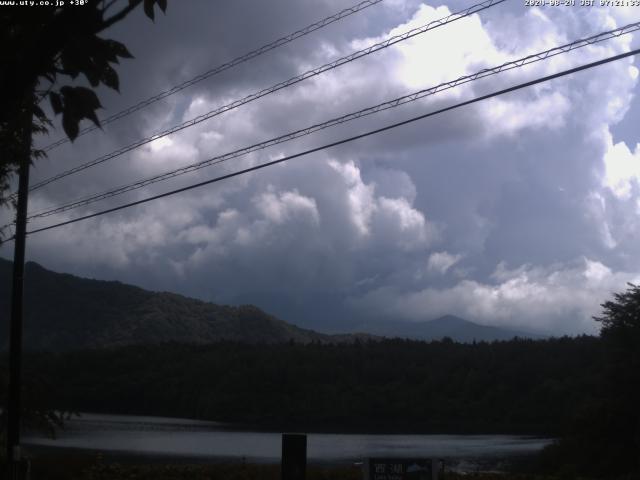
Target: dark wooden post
(294, 456)
(17, 470)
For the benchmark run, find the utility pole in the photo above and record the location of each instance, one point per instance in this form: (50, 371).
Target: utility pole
(15, 465)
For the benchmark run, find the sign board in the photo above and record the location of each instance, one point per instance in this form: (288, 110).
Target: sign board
(400, 469)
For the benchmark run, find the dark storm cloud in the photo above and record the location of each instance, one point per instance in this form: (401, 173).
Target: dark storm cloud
(517, 211)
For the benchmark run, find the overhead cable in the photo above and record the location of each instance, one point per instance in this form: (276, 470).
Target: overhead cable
(343, 141)
(279, 86)
(221, 68)
(87, 200)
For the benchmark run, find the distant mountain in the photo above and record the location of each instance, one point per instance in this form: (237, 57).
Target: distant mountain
(64, 312)
(456, 328)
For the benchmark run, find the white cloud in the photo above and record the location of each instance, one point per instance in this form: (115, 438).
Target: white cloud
(285, 206)
(622, 168)
(597, 212)
(360, 196)
(442, 261)
(454, 49)
(534, 178)
(511, 116)
(558, 298)
(624, 14)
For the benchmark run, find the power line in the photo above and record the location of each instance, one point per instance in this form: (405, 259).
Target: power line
(87, 200)
(221, 68)
(279, 86)
(346, 140)
(8, 239)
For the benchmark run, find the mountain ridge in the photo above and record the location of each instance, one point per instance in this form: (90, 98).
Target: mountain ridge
(450, 326)
(67, 312)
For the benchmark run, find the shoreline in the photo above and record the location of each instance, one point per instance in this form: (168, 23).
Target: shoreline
(463, 465)
(329, 428)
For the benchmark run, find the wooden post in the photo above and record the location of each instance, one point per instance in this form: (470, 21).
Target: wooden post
(17, 470)
(436, 467)
(294, 456)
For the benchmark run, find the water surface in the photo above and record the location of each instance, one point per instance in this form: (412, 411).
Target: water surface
(174, 437)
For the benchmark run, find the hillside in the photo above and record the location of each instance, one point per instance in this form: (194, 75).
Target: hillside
(64, 312)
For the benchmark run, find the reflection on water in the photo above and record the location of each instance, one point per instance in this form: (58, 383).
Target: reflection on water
(193, 438)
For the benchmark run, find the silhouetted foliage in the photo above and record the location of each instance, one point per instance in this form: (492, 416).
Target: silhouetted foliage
(605, 439)
(37, 46)
(519, 386)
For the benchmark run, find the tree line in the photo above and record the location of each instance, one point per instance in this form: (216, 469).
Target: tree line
(584, 390)
(518, 386)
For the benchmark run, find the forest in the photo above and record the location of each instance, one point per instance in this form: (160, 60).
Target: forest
(583, 390)
(518, 386)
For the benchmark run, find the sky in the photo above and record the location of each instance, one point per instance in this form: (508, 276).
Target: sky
(522, 211)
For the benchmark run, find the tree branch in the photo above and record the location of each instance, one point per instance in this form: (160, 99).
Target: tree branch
(119, 16)
(108, 5)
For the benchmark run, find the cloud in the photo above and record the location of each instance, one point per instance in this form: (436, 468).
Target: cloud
(553, 299)
(285, 206)
(414, 222)
(442, 261)
(622, 169)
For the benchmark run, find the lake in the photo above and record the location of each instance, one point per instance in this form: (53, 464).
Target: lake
(211, 441)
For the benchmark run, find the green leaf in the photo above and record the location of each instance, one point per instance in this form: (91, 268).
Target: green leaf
(118, 49)
(87, 103)
(72, 60)
(110, 78)
(106, 51)
(40, 115)
(148, 8)
(56, 102)
(38, 154)
(93, 73)
(78, 103)
(70, 125)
